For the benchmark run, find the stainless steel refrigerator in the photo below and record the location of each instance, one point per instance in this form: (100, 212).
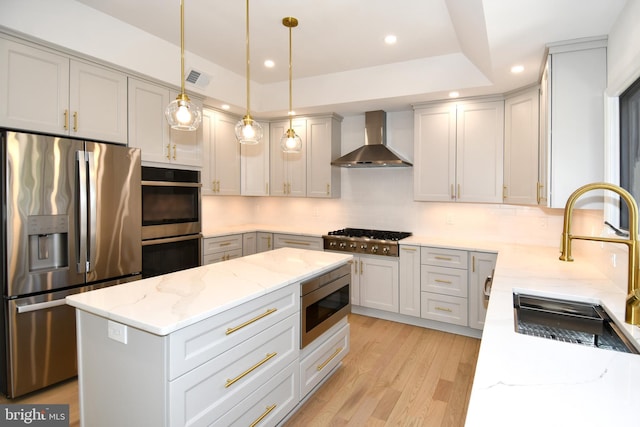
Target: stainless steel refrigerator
(71, 223)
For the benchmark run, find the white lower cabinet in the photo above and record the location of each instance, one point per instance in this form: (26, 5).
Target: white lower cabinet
(297, 241)
(327, 352)
(410, 280)
(264, 241)
(482, 266)
(377, 282)
(223, 248)
(249, 243)
(444, 285)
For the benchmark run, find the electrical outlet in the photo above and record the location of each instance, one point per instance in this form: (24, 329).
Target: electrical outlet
(117, 331)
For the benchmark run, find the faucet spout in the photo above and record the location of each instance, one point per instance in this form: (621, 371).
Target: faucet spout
(632, 307)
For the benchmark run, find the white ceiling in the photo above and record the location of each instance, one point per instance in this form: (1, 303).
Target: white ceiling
(337, 36)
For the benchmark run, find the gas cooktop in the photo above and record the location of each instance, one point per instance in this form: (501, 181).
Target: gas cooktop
(359, 240)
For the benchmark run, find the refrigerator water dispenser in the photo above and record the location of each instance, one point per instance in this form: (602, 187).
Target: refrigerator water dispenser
(48, 242)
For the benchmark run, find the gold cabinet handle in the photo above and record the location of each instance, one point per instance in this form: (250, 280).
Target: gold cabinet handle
(264, 414)
(225, 243)
(250, 321)
(361, 266)
(453, 194)
(174, 152)
(442, 258)
(75, 121)
(448, 282)
(168, 151)
(328, 189)
(66, 119)
(297, 242)
(229, 382)
(326, 362)
(269, 242)
(448, 310)
(504, 192)
(473, 263)
(408, 249)
(459, 192)
(288, 188)
(539, 187)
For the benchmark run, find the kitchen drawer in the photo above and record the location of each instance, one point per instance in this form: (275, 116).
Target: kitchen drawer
(443, 308)
(297, 241)
(315, 367)
(443, 257)
(221, 256)
(223, 243)
(269, 404)
(192, 346)
(202, 395)
(443, 280)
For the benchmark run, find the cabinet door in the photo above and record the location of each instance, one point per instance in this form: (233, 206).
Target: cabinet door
(208, 177)
(226, 153)
(148, 129)
(521, 148)
(249, 243)
(379, 286)
(323, 145)
(278, 177)
(186, 146)
(409, 298)
(264, 241)
(288, 170)
(479, 152)
(254, 166)
(34, 88)
(355, 280)
(435, 154)
(543, 132)
(482, 266)
(97, 103)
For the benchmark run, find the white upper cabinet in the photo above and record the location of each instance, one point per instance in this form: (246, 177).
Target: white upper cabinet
(521, 183)
(575, 133)
(149, 130)
(459, 152)
(221, 172)
(48, 92)
(323, 146)
(288, 170)
(254, 166)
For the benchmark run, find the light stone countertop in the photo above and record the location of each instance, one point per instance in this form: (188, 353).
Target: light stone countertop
(164, 304)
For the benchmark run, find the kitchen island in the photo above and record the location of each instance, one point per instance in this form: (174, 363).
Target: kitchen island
(212, 343)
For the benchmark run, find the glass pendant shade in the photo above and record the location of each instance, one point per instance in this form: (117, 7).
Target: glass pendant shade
(290, 142)
(248, 131)
(182, 114)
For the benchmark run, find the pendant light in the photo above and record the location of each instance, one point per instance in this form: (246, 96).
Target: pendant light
(290, 142)
(248, 131)
(181, 113)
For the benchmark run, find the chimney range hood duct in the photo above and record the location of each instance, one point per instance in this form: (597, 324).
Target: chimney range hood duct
(374, 152)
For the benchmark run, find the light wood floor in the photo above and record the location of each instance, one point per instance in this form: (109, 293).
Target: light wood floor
(395, 374)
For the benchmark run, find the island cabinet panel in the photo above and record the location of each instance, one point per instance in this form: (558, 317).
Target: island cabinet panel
(325, 355)
(202, 395)
(190, 347)
(268, 404)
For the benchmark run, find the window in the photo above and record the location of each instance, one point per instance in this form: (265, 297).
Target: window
(629, 146)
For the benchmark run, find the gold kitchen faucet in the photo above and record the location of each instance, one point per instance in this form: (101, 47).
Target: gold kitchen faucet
(632, 307)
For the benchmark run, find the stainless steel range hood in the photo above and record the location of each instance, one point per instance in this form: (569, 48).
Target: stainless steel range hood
(374, 152)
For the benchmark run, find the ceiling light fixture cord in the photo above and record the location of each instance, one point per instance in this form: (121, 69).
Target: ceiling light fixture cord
(290, 142)
(247, 130)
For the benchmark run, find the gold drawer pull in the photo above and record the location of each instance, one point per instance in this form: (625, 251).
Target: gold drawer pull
(251, 369)
(297, 242)
(448, 310)
(250, 321)
(66, 119)
(75, 121)
(333, 356)
(448, 282)
(443, 258)
(225, 243)
(408, 249)
(168, 151)
(264, 414)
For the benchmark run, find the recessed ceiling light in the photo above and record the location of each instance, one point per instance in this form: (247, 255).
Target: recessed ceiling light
(269, 63)
(454, 94)
(225, 106)
(390, 39)
(517, 69)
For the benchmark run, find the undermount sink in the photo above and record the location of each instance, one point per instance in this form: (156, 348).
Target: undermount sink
(569, 321)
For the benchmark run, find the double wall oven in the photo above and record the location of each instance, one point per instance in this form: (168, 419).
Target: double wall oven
(171, 220)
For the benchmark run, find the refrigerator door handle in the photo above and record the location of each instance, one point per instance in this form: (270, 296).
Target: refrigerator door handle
(40, 306)
(81, 254)
(93, 208)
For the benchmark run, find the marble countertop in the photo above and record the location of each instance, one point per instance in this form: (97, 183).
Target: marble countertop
(164, 304)
(530, 381)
